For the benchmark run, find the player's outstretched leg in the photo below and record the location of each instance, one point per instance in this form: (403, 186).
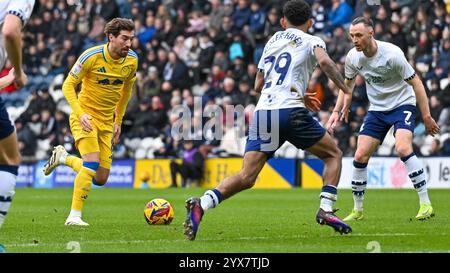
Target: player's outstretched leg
(58, 157)
(325, 215)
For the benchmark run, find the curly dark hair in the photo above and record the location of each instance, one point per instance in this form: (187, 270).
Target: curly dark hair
(297, 12)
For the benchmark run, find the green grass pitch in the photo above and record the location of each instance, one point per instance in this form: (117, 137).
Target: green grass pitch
(255, 221)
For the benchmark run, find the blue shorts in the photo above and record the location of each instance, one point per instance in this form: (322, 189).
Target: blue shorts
(6, 127)
(377, 123)
(269, 129)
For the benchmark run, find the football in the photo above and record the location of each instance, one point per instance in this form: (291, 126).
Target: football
(158, 212)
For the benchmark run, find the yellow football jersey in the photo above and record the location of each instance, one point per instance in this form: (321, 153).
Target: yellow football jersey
(106, 83)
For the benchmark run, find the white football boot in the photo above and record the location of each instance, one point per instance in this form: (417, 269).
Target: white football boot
(58, 157)
(75, 221)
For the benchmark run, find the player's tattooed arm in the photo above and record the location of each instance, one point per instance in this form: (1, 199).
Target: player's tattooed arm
(330, 69)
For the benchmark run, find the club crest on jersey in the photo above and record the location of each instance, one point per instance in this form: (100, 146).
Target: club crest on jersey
(125, 70)
(76, 70)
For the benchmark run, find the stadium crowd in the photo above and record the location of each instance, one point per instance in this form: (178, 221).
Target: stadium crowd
(206, 52)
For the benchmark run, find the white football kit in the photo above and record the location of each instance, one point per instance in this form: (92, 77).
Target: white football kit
(385, 74)
(288, 61)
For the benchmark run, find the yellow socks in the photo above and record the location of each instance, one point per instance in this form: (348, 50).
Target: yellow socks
(74, 162)
(82, 185)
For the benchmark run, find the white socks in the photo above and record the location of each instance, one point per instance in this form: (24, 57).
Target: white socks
(210, 199)
(418, 177)
(327, 197)
(359, 184)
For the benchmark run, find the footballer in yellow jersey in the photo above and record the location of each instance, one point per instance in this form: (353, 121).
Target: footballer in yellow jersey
(107, 74)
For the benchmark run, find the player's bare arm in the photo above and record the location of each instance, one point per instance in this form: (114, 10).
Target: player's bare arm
(13, 43)
(330, 69)
(341, 109)
(422, 100)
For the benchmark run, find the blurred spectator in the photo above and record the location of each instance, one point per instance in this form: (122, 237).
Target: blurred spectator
(168, 34)
(241, 14)
(398, 38)
(48, 127)
(26, 139)
(176, 72)
(320, 16)
(243, 96)
(435, 148)
(196, 23)
(236, 49)
(142, 125)
(272, 24)
(257, 19)
(339, 45)
(167, 150)
(206, 56)
(107, 9)
(191, 167)
(191, 56)
(216, 15)
(340, 14)
(151, 83)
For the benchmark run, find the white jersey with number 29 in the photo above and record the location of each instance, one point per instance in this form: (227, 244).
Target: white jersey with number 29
(288, 61)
